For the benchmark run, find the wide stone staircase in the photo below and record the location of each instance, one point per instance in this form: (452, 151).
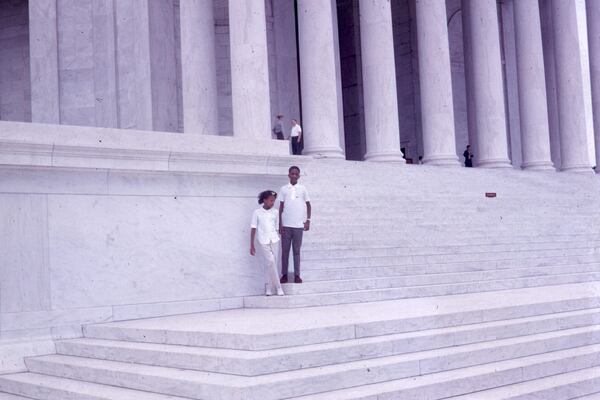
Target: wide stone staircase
(416, 286)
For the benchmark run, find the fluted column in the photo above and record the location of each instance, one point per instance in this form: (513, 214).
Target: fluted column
(249, 69)
(435, 82)
(593, 20)
(43, 62)
(485, 90)
(198, 67)
(322, 124)
(533, 110)
(570, 87)
(379, 81)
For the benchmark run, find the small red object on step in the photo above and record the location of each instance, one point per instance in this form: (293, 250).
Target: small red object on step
(490, 194)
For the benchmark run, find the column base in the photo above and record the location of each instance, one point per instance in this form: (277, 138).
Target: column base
(390, 157)
(495, 163)
(578, 169)
(442, 160)
(324, 152)
(538, 166)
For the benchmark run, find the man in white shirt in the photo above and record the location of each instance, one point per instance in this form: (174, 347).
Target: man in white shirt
(296, 138)
(294, 219)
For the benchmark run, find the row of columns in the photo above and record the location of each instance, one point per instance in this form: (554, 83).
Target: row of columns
(321, 83)
(319, 69)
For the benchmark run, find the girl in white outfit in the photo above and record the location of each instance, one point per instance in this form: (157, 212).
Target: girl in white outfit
(265, 228)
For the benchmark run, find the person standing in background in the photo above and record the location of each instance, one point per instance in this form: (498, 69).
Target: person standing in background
(296, 138)
(468, 157)
(278, 127)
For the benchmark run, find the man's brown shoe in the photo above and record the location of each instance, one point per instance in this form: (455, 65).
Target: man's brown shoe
(283, 279)
(297, 279)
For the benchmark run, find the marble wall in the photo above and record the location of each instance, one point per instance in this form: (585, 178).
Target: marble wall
(15, 93)
(95, 245)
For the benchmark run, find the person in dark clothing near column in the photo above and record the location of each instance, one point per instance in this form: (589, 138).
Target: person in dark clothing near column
(294, 219)
(278, 127)
(468, 157)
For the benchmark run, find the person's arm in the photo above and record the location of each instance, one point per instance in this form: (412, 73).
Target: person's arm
(299, 134)
(253, 226)
(252, 235)
(308, 213)
(281, 206)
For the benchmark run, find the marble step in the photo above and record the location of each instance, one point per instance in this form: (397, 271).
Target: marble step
(461, 381)
(353, 251)
(340, 272)
(381, 261)
(250, 363)
(371, 295)
(264, 329)
(431, 232)
(447, 241)
(200, 385)
(462, 218)
(593, 396)
(435, 210)
(45, 387)
(567, 386)
(342, 285)
(6, 396)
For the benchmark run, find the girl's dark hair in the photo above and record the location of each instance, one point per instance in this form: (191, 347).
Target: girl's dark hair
(262, 196)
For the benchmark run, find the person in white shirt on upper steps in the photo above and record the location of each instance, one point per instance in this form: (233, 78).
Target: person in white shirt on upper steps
(294, 219)
(264, 229)
(296, 138)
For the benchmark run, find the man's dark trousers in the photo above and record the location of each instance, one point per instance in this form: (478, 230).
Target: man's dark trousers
(296, 147)
(292, 237)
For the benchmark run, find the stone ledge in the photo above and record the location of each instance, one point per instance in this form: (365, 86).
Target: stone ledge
(31, 144)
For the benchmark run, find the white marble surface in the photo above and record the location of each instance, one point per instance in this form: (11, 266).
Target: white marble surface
(535, 131)
(435, 82)
(44, 62)
(382, 130)
(571, 86)
(322, 123)
(25, 250)
(199, 68)
(249, 69)
(132, 45)
(483, 68)
(593, 25)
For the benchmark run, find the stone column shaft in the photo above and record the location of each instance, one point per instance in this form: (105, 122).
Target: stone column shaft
(485, 89)
(321, 123)
(533, 110)
(198, 67)
(249, 69)
(43, 49)
(570, 87)
(593, 20)
(435, 81)
(379, 81)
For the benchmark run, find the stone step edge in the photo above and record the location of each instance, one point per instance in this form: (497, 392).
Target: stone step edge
(540, 388)
(446, 384)
(29, 384)
(64, 347)
(203, 384)
(458, 245)
(546, 259)
(353, 330)
(494, 252)
(429, 286)
(388, 277)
